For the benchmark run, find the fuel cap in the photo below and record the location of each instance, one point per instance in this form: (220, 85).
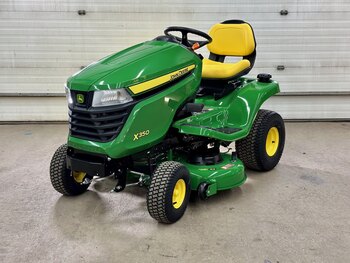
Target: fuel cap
(264, 77)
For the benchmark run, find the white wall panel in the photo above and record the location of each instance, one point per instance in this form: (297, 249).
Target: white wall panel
(33, 109)
(42, 42)
(310, 107)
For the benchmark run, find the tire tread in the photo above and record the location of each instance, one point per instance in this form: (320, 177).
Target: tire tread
(249, 148)
(156, 197)
(60, 181)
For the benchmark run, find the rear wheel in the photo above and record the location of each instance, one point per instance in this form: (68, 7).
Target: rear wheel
(64, 180)
(169, 192)
(262, 149)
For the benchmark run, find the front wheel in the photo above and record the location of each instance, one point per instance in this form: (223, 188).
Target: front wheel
(65, 181)
(262, 149)
(169, 192)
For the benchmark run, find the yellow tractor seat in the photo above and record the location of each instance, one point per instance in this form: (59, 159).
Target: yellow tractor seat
(230, 38)
(218, 70)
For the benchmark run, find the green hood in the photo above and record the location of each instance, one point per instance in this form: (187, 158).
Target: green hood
(131, 66)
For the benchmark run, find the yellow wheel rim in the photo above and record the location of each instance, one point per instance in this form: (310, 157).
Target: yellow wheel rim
(272, 141)
(179, 193)
(78, 176)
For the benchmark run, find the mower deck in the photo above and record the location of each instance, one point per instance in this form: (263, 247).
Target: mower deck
(224, 175)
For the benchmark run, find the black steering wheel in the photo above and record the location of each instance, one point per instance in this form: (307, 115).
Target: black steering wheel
(193, 44)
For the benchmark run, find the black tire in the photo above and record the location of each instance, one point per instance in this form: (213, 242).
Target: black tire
(61, 177)
(252, 149)
(160, 193)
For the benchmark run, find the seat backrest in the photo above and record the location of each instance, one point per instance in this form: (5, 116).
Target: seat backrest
(232, 38)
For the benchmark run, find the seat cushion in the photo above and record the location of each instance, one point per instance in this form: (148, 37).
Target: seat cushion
(232, 39)
(217, 70)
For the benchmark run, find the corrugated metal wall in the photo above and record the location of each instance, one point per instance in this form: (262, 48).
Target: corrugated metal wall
(42, 42)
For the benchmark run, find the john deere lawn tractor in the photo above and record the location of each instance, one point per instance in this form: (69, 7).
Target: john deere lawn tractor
(159, 115)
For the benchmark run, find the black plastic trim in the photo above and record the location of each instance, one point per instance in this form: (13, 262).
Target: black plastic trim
(89, 167)
(101, 124)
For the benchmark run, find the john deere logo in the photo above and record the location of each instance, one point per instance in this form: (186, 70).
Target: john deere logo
(80, 98)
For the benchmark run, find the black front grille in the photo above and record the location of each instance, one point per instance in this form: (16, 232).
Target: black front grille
(98, 124)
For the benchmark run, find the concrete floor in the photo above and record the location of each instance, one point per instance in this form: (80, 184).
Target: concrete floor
(299, 212)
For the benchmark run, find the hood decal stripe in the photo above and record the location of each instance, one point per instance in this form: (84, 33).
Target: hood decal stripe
(153, 83)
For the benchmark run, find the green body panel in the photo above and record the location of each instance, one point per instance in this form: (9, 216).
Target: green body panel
(133, 65)
(236, 110)
(152, 116)
(225, 175)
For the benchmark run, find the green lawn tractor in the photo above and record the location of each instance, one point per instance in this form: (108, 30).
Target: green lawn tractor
(159, 115)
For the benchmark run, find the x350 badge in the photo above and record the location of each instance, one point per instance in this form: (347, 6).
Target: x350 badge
(141, 134)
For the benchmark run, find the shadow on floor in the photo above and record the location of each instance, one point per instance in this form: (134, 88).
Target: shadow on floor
(76, 215)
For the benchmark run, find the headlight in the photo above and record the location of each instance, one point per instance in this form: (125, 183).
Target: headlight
(110, 97)
(69, 96)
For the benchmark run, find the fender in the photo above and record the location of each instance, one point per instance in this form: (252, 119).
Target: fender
(231, 117)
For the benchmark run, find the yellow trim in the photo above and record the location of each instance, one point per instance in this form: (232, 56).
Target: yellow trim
(272, 141)
(147, 85)
(78, 176)
(232, 39)
(217, 70)
(179, 193)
